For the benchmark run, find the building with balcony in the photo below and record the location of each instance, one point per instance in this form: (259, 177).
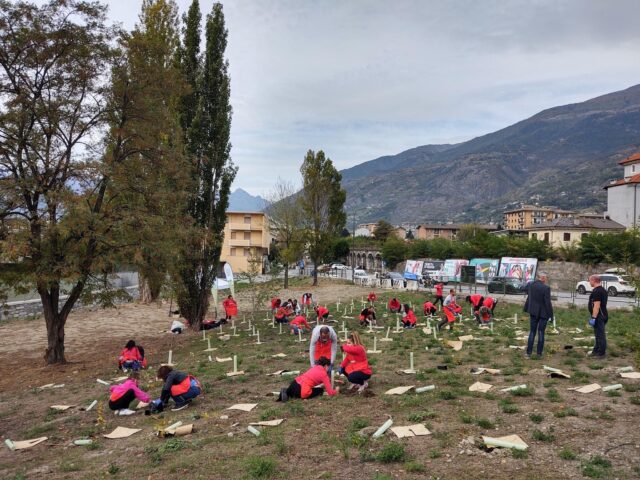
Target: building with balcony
(246, 237)
(528, 216)
(449, 231)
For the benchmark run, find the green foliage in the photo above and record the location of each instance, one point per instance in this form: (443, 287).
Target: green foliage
(323, 204)
(542, 436)
(553, 395)
(392, 453)
(394, 251)
(384, 230)
(339, 249)
(567, 454)
(414, 467)
(596, 467)
(536, 417)
(519, 454)
(207, 133)
(261, 467)
(485, 423)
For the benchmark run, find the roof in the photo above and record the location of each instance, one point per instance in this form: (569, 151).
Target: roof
(532, 208)
(625, 181)
(580, 224)
(454, 226)
(630, 159)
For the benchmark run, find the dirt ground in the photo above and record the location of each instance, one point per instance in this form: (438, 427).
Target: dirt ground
(570, 435)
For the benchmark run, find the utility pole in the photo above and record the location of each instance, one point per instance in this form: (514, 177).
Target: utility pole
(352, 255)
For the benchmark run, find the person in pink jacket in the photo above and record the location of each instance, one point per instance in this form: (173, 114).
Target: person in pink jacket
(304, 386)
(122, 395)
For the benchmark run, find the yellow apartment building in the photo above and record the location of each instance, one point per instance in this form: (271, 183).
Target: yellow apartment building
(246, 236)
(529, 216)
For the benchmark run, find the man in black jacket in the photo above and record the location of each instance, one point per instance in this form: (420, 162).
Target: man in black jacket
(599, 315)
(538, 306)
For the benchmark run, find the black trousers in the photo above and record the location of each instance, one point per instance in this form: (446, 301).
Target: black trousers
(295, 391)
(358, 377)
(438, 299)
(600, 348)
(443, 322)
(124, 401)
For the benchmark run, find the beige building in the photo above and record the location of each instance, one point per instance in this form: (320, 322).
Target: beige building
(246, 236)
(449, 231)
(565, 231)
(529, 216)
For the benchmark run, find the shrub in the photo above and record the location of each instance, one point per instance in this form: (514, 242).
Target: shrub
(567, 454)
(392, 453)
(543, 437)
(261, 467)
(536, 417)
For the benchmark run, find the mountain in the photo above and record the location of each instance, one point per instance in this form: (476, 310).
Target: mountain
(562, 156)
(242, 201)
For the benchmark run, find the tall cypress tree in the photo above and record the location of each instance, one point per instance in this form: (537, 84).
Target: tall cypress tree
(207, 134)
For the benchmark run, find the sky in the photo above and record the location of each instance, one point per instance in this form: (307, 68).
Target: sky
(362, 79)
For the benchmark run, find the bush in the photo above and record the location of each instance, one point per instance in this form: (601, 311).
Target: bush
(261, 467)
(392, 453)
(567, 454)
(543, 437)
(597, 467)
(536, 417)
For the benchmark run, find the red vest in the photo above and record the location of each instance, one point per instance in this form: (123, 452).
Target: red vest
(323, 350)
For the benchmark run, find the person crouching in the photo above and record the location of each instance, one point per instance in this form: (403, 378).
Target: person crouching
(132, 357)
(122, 395)
(308, 385)
(409, 319)
(355, 364)
(182, 388)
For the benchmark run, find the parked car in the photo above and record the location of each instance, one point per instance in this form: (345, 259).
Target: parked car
(359, 273)
(614, 285)
(506, 285)
(394, 276)
(338, 266)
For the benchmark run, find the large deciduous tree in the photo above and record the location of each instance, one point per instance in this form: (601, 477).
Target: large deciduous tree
(52, 86)
(323, 204)
(286, 221)
(205, 116)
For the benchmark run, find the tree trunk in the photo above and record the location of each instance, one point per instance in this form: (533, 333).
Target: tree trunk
(145, 291)
(286, 276)
(54, 353)
(315, 273)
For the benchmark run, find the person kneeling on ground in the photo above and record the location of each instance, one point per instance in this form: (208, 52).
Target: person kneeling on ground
(476, 302)
(322, 313)
(451, 309)
(324, 343)
(304, 386)
(281, 315)
(132, 357)
(355, 364)
(409, 319)
(122, 395)
(394, 305)
(179, 386)
(429, 308)
(490, 303)
(367, 316)
(484, 315)
(299, 324)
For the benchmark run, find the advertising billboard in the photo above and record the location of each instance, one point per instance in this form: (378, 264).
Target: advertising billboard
(451, 269)
(413, 269)
(523, 269)
(486, 268)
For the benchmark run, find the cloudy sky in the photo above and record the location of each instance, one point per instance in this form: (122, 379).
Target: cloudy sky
(361, 79)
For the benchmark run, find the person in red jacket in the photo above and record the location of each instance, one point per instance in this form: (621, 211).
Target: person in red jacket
(451, 310)
(355, 364)
(476, 302)
(281, 315)
(394, 305)
(275, 303)
(304, 386)
(322, 313)
(429, 308)
(230, 307)
(409, 319)
(490, 303)
(299, 324)
(132, 357)
(439, 286)
(372, 297)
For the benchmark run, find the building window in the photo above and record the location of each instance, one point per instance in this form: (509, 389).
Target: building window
(246, 252)
(233, 235)
(247, 235)
(584, 235)
(546, 237)
(534, 236)
(247, 219)
(233, 252)
(633, 168)
(567, 237)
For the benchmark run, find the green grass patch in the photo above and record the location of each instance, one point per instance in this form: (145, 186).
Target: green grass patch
(541, 436)
(261, 467)
(597, 467)
(392, 453)
(567, 454)
(553, 395)
(536, 417)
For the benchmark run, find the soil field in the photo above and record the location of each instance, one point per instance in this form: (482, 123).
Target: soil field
(570, 434)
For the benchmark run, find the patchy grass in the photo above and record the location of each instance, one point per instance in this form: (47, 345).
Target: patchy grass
(392, 453)
(596, 467)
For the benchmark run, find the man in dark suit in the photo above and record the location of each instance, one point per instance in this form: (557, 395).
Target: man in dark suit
(538, 306)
